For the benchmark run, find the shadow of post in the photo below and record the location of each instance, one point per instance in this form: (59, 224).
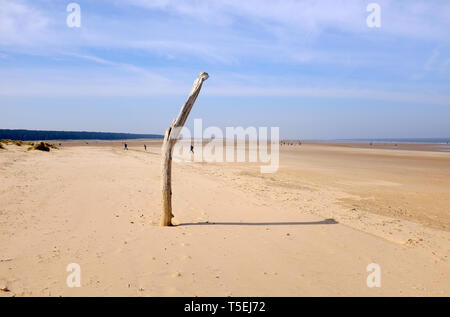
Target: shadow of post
(304, 223)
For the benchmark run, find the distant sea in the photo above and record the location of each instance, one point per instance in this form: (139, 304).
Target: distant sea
(439, 144)
(399, 140)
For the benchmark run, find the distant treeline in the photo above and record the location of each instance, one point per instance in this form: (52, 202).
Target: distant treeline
(34, 135)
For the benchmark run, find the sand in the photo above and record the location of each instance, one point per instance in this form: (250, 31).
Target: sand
(310, 229)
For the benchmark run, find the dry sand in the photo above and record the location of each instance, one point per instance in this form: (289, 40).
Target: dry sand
(309, 229)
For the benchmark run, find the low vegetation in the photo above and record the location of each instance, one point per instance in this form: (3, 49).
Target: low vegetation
(42, 146)
(16, 142)
(19, 143)
(4, 142)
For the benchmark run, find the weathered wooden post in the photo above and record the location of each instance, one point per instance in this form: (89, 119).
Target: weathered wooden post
(170, 138)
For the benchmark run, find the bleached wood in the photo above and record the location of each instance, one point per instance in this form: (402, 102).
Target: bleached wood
(170, 138)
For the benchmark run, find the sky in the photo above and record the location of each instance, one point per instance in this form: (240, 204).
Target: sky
(315, 69)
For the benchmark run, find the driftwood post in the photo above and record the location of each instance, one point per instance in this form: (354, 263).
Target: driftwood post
(170, 138)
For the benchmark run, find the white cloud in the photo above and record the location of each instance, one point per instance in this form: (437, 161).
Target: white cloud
(21, 24)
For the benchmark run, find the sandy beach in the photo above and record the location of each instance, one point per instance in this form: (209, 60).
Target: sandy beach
(311, 229)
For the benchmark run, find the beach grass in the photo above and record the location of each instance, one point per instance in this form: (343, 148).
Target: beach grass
(42, 146)
(16, 142)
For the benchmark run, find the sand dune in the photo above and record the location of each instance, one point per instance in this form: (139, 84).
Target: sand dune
(309, 229)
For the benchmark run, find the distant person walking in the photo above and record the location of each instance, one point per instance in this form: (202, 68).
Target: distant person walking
(125, 146)
(192, 149)
(145, 147)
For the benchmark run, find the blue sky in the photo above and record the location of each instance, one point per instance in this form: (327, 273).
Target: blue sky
(313, 68)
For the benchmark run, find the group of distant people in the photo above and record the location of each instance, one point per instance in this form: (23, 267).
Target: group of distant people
(290, 143)
(125, 147)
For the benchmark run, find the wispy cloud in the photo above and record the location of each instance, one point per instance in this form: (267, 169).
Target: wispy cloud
(127, 85)
(227, 32)
(417, 19)
(330, 93)
(22, 23)
(145, 73)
